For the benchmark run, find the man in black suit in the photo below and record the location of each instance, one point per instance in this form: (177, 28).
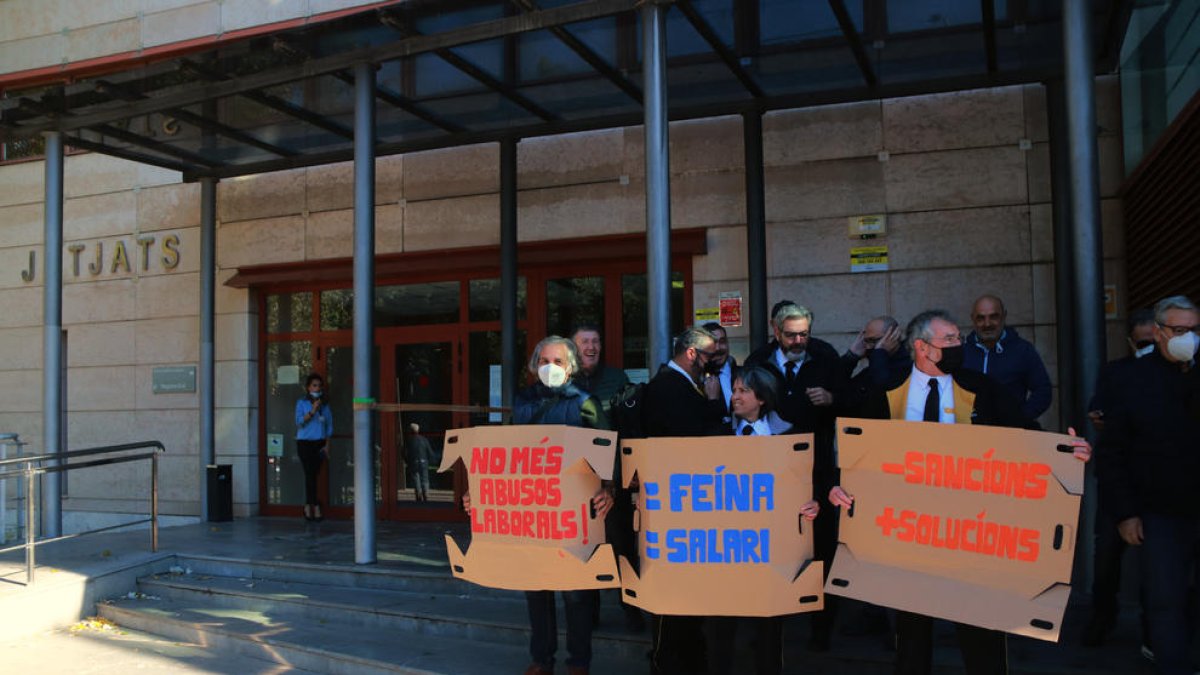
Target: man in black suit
(681, 401)
(939, 390)
(877, 358)
(813, 391)
(1110, 548)
(1150, 474)
(726, 366)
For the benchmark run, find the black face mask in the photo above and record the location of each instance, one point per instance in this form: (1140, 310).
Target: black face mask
(712, 367)
(1142, 344)
(952, 359)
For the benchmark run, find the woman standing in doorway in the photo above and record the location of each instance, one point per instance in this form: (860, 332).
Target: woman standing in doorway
(314, 427)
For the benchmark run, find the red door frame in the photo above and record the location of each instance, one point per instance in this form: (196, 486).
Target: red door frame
(612, 260)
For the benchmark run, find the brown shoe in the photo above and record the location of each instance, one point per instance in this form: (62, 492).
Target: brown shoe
(538, 669)
(577, 670)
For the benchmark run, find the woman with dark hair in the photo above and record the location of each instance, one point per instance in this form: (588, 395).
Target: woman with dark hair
(314, 427)
(752, 403)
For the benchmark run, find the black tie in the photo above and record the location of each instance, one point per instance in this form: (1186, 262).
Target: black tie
(933, 402)
(791, 374)
(748, 430)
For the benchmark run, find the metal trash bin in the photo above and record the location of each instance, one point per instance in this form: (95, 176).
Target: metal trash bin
(220, 493)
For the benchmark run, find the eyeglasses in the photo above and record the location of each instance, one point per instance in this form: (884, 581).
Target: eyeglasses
(792, 336)
(947, 340)
(1180, 330)
(707, 355)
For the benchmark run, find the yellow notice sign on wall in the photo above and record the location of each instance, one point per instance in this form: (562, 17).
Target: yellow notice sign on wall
(869, 259)
(706, 314)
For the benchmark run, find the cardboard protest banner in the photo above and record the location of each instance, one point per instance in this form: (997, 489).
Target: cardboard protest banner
(532, 524)
(719, 526)
(975, 524)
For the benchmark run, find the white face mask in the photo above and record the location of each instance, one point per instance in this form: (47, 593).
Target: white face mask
(1183, 347)
(552, 375)
(1148, 349)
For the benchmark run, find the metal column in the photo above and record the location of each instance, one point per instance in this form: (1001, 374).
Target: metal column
(1085, 223)
(1064, 260)
(52, 360)
(658, 184)
(509, 358)
(208, 284)
(756, 227)
(364, 306)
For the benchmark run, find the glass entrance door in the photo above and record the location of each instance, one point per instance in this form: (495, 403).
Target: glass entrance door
(422, 373)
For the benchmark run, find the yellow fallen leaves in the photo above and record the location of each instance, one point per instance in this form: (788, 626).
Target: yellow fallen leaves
(97, 624)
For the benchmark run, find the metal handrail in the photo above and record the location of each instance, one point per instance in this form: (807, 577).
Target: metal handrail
(30, 472)
(102, 450)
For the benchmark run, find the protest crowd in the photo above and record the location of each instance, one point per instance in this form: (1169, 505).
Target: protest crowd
(1146, 412)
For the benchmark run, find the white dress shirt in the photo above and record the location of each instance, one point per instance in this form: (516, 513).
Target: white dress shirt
(918, 390)
(726, 376)
(760, 426)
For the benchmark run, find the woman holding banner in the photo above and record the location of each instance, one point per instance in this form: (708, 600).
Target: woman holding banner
(752, 401)
(553, 399)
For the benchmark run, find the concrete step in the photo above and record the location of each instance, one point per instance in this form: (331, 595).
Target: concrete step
(437, 580)
(496, 620)
(111, 650)
(330, 646)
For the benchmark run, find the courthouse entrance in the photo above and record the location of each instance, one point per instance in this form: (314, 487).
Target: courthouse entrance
(437, 340)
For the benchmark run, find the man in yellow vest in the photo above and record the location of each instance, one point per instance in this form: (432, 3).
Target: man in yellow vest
(939, 390)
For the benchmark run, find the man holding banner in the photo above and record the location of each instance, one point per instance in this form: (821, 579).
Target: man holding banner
(939, 391)
(555, 400)
(677, 406)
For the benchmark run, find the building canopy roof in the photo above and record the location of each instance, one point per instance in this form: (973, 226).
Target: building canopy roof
(454, 72)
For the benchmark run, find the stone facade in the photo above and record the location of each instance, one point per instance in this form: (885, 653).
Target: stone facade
(36, 34)
(968, 212)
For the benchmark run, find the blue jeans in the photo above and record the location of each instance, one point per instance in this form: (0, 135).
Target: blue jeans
(543, 620)
(1168, 555)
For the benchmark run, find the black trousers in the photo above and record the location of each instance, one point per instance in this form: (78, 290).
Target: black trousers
(825, 541)
(985, 652)
(311, 459)
(768, 644)
(678, 647)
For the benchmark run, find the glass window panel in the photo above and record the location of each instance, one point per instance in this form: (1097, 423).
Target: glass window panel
(486, 381)
(635, 323)
(289, 312)
(485, 299)
(542, 56)
(573, 301)
(288, 364)
(788, 21)
(339, 362)
(424, 374)
(904, 16)
(337, 309)
(417, 304)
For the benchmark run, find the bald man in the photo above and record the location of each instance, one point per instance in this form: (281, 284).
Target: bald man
(995, 349)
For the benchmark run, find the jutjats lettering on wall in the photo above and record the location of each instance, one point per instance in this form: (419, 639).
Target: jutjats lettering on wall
(719, 526)
(532, 524)
(975, 524)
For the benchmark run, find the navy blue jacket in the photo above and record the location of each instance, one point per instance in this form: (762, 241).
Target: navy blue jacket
(567, 405)
(1013, 362)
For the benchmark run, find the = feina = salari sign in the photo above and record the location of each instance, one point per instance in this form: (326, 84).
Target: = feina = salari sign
(719, 526)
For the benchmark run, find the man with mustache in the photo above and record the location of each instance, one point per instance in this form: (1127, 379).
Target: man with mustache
(813, 391)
